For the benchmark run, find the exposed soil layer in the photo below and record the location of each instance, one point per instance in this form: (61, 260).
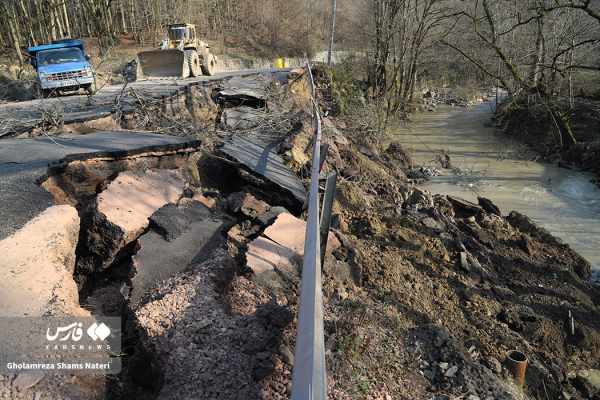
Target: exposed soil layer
(422, 297)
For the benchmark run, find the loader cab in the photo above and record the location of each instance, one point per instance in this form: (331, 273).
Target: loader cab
(180, 32)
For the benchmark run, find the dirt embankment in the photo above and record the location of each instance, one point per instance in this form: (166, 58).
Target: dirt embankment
(423, 296)
(530, 124)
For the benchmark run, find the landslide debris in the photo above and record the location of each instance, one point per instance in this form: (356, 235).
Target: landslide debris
(422, 297)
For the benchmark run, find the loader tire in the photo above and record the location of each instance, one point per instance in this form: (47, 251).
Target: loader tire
(193, 62)
(210, 65)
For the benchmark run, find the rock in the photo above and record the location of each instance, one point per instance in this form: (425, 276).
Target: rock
(464, 263)
(342, 272)
(421, 198)
(207, 201)
(442, 335)
(37, 264)
(333, 155)
(171, 220)
(429, 374)
(25, 381)
(331, 342)
(247, 204)
(492, 222)
(433, 224)
(286, 355)
(273, 314)
(498, 292)
(431, 171)
(451, 372)
(268, 217)
(350, 172)
(527, 245)
(493, 364)
(469, 294)
(336, 220)
(260, 372)
(120, 214)
(264, 255)
(366, 151)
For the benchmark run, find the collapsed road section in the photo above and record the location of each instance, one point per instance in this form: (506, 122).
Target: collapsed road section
(130, 214)
(198, 254)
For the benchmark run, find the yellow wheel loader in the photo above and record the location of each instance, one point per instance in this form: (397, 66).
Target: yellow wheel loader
(181, 55)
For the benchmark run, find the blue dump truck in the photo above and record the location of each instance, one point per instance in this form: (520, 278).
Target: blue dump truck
(62, 66)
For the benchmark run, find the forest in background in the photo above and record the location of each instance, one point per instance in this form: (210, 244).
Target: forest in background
(544, 53)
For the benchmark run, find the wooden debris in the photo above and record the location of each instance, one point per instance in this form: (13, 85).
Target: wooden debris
(462, 203)
(489, 206)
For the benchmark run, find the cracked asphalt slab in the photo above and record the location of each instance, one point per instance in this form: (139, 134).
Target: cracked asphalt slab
(23, 162)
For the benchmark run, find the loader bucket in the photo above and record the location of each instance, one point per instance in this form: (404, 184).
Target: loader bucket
(163, 64)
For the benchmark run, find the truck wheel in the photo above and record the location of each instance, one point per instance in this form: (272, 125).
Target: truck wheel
(193, 62)
(210, 65)
(46, 93)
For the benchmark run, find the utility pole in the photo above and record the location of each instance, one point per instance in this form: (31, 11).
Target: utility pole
(331, 38)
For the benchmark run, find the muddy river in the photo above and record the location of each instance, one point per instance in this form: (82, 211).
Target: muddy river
(564, 202)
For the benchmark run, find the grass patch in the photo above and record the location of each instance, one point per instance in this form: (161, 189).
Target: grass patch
(370, 357)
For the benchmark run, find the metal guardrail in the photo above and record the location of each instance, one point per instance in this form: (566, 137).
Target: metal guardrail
(309, 381)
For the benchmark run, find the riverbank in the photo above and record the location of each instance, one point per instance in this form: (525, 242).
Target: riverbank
(531, 126)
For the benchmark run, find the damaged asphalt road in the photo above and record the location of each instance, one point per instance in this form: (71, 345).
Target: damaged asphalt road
(25, 163)
(199, 253)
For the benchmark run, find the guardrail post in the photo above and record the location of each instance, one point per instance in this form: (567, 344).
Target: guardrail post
(324, 149)
(328, 198)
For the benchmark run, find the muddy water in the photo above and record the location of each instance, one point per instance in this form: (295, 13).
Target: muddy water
(564, 202)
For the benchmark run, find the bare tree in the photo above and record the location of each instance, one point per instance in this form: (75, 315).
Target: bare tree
(526, 39)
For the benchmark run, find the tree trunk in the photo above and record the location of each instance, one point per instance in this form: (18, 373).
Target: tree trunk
(57, 14)
(122, 7)
(12, 30)
(559, 117)
(28, 27)
(536, 67)
(52, 23)
(66, 19)
(42, 22)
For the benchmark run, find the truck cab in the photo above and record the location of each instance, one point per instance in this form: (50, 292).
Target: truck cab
(62, 66)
